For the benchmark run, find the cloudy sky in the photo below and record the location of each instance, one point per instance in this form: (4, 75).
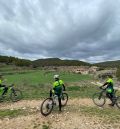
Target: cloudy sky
(87, 30)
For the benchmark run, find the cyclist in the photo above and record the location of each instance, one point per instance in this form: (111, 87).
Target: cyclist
(110, 89)
(1, 85)
(58, 87)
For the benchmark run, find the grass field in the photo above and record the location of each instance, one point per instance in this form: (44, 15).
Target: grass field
(36, 84)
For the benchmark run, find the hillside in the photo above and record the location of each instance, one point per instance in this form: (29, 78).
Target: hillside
(58, 62)
(109, 64)
(41, 62)
(8, 60)
(53, 62)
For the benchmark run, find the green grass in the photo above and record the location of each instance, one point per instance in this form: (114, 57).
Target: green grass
(40, 76)
(6, 68)
(7, 113)
(107, 114)
(12, 113)
(45, 126)
(82, 92)
(36, 84)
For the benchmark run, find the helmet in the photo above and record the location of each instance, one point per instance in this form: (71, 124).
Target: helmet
(56, 76)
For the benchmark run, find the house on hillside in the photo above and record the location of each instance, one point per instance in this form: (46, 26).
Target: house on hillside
(93, 69)
(81, 70)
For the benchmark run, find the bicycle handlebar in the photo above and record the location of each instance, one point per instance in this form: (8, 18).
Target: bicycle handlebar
(11, 85)
(106, 88)
(102, 88)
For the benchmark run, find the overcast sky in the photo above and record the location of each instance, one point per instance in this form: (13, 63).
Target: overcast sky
(87, 30)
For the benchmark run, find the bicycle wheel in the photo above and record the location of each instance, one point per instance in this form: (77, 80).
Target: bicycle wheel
(118, 102)
(64, 99)
(46, 106)
(99, 99)
(16, 95)
(1, 99)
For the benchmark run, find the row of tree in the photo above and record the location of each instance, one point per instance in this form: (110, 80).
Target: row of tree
(41, 62)
(111, 64)
(14, 61)
(58, 62)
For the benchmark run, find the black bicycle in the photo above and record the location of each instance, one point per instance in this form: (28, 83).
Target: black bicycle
(48, 104)
(99, 98)
(12, 93)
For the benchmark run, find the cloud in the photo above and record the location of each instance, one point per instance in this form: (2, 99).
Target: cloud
(74, 29)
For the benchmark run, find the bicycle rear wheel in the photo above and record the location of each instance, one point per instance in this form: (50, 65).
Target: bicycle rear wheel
(1, 99)
(16, 95)
(46, 106)
(118, 102)
(64, 99)
(99, 99)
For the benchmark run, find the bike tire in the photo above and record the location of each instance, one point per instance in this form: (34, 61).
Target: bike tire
(49, 105)
(64, 99)
(1, 99)
(98, 99)
(118, 102)
(17, 96)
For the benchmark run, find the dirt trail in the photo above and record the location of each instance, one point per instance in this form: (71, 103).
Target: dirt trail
(55, 121)
(68, 119)
(37, 103)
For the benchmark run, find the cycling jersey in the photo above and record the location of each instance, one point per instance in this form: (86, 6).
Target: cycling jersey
(110, 85)
(57, 86)
(58, 83)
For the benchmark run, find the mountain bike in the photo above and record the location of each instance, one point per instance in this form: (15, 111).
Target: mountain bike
(99, 98)
(49, 103)
(12, 94)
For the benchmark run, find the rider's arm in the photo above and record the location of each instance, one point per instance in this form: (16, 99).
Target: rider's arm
(106, 83)
(63, 87)
(53, 87)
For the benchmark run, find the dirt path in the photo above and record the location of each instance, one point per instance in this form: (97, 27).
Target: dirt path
(65, 120)
(55, 121)
(37, 103)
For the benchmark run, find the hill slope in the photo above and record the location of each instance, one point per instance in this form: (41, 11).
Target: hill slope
(58, 62)
(40, 62)
(109, 64)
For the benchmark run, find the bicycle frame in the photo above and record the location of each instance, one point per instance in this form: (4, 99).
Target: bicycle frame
(105, 92)
(8, 91)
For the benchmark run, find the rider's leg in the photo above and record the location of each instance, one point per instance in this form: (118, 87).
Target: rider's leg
(108, 95)
(50, 93)
(5, 90)
(59, 100)
(111, 97)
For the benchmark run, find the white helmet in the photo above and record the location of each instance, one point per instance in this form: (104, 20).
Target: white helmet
(56, 76)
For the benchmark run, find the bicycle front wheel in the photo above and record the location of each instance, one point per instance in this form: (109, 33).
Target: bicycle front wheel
(46, 106)
(1, 99)
(118, 102)
(16, 95)
(99, 99)
(64, 99)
